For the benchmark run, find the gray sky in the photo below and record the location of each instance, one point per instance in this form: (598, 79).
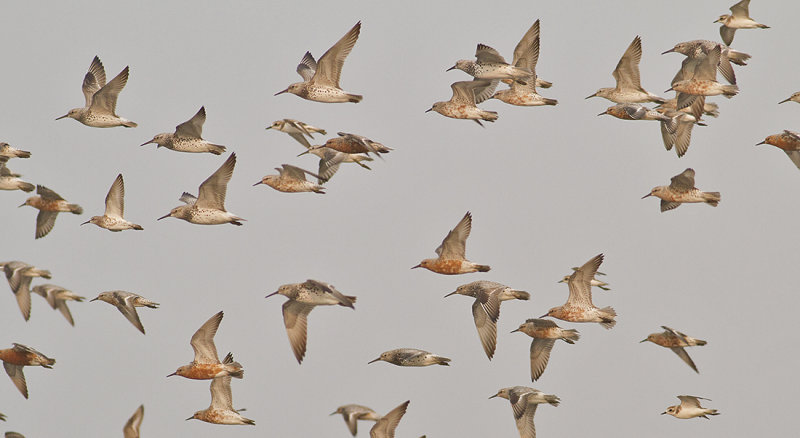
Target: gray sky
(549, 188)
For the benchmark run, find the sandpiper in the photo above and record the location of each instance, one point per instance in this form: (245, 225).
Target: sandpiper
(793, 98)
(221, 410)
(676, 341)
(297, 130)
(526, 55)
(489, 64)
(710, 109)
(112, 219)
(131, 428)
(595, 282)
(486, 308)
(698, 77)
(19, 356)
(353, 144)
(49, 204)
(188, 137)
(411, 357)
(452, 251)
(690, 408)
(524, 402)
(353, 413)
(677, 131)
(10, 180)
(545, 333)
(331, 159)
(292, 179)
(386, 425)
(579, 307)
(19, 276)
(303, 297)
(101, 99)
(629, 88)
(787, 141)
(209, 207)
(206, 364)
(466, 96)
(321, 79)
(9, 152)
(126, 303)
(635, 111)
(57, 298)
(739, 18)
(681, 189)
(700, 48)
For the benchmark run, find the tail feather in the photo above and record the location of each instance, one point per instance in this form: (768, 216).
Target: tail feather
(607, 314)
(137, 227)
(355, 98)
(75, 209)
(483, 268)
(552, 399)
(570, 336)
(521, 295)
(730, 90)
(129, 124)
(738, 58)
(440, 360)
(543, 84)
(26, 187)
(550, 101)
(712, 198)
(351, 298)
(700, 342)
(217, 149)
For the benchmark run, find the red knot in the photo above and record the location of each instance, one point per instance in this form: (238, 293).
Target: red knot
(19, 356)
(49, 204)
(386, 425)
(10, 180)
(206, 364)
(594, 282)
(321, 79)
(629, 88)
(331, 159)
(676, 341)
(524, 402)
(793, 98)
(787, 141)
(681, 189)
(690, 408)
(19, 276)
(526, 55)
(452, 259)
(353, 413)
(411, 357)
(208, 208)
(489, 64)
(292, 179)
(677, 131)
(545, 333)
(303, 297)
(188, 137)
(698, 77)
(9, 152)
(697, 49)
(131, 428)
(579, 306)
(486, 308)
(221, 410)
(352, 144)
(126, 303)
(297, 130)
(739, 18)
(57, 298)
(113, 218)
(466, 96)
(101, 99)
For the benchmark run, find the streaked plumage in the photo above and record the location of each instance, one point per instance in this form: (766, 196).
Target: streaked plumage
(297, 130)
(452, 252)
(545, 333)
(113, 217)
(206, 364)
(292, 179)
(629, 88)
(101, 99)
(680, 190)
(466, 96)
(524, 402)
(188, 137)
(739, 18)
(579, 306)
(411, 357)
(49, 204)
(126, 303)
(57, 298)
(221, 410)
(676, 341)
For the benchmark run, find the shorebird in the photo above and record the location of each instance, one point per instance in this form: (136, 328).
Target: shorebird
(698, 77)
(681, 189)
(188, 137)
(466, 96)
(698, 49)
(690, 408)
(793, 98)
(675, 341)
(321, 79)
(635, 111)
(206, 364)
(451, 252)
(386, 425)
(526, 55)
(209, 207)
(126, 303)
(101, 99)
(353, 413)
(49, 204)
(57, 298)
(710, 109)
(19, 356)
(411, 357)
(489, 64)
(351, 144)
(297, 130)
(8, 152)
(331, 159)
(292, 179)
(221, 410)
(595, 282)
(579, 307)
(112, 219)
(524, 402)
(787, 141)
(19, 276)
(739, 18)
(486, 308)
(545, 333)
(131, 429)
(629, 88)
(10, 180)
(677, 131)
(303, 297)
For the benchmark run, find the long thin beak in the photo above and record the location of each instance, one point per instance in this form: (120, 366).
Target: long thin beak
(514, 331)
(303, 153)
(170, 375)
(602, 114)
(87, 222)
(146, 143)
(268, 127)
(333, 413)
(373, 360)
(763, 142)
(784, 101)
(668, 90)
(281, 92)
(588, 97)
(666, 411)
(418, 266)
(429, 110)
(451, 68)
(190, 418)
(21, 205)
(668, 51)
(643, 340)
(164, 217)
(59, 118)
(257, 183)
(545, 315)
(492, 396)
(274, 293)
(451, 293)
(649, 194)
(93, 299)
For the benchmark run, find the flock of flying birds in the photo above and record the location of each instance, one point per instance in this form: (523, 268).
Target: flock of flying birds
(695, 81)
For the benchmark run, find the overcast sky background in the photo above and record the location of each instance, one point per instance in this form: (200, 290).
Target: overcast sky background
(549, 188)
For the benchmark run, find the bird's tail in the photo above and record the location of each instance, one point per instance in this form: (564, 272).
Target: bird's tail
(75, 208)
(489, 116)
(520, 294)
(543, 84)
(217, 149)
(239, 372)
(552, 399)
(607, 314)
(129, 124)
(738, 58)
(355, 98)
(137, 227)
(710, 412)
(483, 268)
(550, 101)
(570, 336)
(711, 198)
(441, 360)
(26, 187)
(319, 189)
(730, 90)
